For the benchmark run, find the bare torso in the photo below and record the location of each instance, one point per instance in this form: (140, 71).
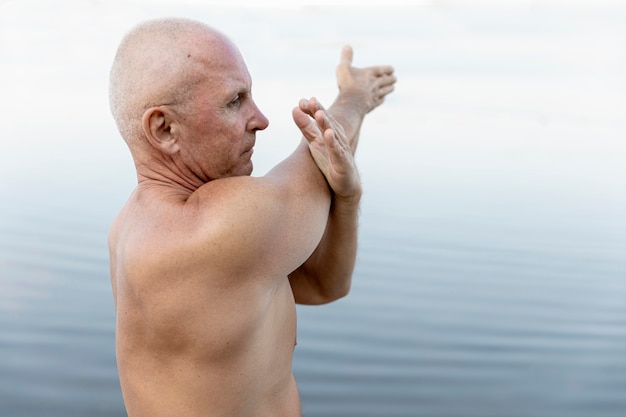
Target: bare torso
(199, 334)
(206, 272)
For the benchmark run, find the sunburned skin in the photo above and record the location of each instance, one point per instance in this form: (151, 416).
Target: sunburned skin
(207, 263)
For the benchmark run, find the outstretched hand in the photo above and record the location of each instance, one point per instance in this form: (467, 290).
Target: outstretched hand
(370, 85)
(329, 147)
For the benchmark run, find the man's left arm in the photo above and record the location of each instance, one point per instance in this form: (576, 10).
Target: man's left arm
(333, 136)
(327, 273)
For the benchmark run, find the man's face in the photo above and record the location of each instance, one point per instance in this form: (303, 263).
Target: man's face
(220, 129)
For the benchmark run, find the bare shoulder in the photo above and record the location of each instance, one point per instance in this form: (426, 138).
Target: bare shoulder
(157, 229)
(233, 227)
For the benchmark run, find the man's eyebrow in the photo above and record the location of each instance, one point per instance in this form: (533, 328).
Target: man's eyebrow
(242, 91)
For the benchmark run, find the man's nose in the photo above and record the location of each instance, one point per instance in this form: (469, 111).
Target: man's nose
(259, 121)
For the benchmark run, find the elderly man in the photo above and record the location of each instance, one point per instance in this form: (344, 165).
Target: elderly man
(207, 262)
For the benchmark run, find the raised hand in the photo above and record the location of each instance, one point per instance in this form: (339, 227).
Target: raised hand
(333, 134)
(366, 86)
(329, 147)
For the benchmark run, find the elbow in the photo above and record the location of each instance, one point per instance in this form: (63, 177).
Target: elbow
(316, 290)
(341, 292)
(328, 295)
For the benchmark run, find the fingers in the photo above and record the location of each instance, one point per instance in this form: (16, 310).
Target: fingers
(383, 86)
(307, 126)
(310, 106)
(329, 147)
(382, 70)
(386, 90)
(385, 80)
(323, 121)
(314, 108)
(326, 126)
(315, 123)
(386, 84)
(327, 123)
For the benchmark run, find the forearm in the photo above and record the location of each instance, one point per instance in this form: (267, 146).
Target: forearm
(349, 111)
(327, 274)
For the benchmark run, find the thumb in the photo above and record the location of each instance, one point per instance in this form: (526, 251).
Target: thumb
(346, 55)
(307, 126)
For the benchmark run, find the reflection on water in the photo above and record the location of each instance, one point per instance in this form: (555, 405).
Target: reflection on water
(56, 315)
(491, 278)
(464, 327)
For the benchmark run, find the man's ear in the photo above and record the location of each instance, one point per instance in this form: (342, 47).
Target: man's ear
(157, 126)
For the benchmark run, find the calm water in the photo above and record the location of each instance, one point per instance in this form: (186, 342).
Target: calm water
(491, 278)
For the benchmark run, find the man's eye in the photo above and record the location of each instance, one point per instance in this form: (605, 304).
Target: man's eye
(236, 101)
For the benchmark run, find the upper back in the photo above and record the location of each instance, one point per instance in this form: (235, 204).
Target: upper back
(202, 284)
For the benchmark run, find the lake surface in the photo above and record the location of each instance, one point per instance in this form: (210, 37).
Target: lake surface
(491, 276)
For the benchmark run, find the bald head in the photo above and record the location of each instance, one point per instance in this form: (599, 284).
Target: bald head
(159, 62)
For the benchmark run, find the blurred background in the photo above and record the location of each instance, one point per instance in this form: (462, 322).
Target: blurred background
(491, 277)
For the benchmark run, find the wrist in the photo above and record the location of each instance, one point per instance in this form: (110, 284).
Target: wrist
(355, 100)
(348, 201)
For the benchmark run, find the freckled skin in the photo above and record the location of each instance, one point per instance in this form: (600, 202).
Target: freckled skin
(207, 262)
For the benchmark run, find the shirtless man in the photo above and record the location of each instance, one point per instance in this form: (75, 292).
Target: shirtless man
(207, 262)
